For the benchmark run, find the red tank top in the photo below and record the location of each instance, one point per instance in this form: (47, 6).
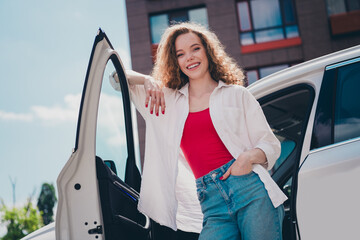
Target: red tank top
(202, 146)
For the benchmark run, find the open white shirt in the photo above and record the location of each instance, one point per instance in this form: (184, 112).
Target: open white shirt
(170, 198)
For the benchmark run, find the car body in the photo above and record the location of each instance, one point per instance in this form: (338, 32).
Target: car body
(313, 108)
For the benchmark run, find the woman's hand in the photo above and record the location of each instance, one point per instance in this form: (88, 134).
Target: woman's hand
(244, 163)
(154, 96)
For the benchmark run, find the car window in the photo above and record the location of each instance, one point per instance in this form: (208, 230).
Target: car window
(347, 107)
(337, 115)
(111, 132)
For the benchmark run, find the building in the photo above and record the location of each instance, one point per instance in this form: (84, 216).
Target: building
(263, 36)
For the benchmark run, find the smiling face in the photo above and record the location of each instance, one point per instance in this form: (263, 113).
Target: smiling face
(191, 56)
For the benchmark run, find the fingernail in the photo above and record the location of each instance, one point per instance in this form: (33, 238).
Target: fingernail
(163, 112)
(157, 114)
(146, 105)
(221, 178)
(151, 112)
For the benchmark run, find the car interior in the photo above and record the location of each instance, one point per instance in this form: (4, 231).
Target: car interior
(119, 206)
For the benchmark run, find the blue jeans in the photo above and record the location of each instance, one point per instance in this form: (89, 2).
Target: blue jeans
(237, 208)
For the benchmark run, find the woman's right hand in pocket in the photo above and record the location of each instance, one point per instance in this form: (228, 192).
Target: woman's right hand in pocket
(154, 96)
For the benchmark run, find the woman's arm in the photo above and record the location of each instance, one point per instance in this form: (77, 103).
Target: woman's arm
(136, 78)
(154, 93)
(266, 147)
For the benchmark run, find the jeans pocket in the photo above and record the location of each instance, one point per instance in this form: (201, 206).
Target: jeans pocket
(200, 194)
(250, 174)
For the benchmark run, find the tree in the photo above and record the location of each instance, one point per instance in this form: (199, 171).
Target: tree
(46, 202)
(19, 221)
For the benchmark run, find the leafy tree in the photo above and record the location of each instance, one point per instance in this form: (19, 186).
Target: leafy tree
(46, 202)
(19, 221)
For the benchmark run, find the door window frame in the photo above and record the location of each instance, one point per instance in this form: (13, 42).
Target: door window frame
(289, 168)
(131, 176)
(325, 111)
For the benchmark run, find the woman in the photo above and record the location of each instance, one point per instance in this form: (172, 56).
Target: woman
(220, 129)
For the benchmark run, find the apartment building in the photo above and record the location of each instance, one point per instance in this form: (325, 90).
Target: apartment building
(263, 36)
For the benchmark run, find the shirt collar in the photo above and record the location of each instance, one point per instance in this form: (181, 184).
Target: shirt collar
(222, 84)
(185, 89)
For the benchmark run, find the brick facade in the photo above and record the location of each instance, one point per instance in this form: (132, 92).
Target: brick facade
(313, 23)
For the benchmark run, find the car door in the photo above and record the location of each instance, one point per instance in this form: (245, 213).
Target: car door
(98, 187)
(287, 112)
(328, 194)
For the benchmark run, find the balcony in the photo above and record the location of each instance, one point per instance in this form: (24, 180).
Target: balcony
(345, 23)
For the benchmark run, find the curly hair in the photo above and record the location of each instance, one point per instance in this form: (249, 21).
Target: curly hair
(221, 66)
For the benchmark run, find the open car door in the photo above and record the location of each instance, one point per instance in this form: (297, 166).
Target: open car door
(98, 187)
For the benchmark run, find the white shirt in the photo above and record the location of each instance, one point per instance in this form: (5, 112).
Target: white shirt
(241, 125)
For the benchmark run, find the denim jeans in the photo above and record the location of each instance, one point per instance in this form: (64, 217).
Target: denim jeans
(237, 208)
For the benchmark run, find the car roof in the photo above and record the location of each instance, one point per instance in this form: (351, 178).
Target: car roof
(297, 73)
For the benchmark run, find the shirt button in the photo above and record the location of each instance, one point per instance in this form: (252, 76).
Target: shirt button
(213, 175)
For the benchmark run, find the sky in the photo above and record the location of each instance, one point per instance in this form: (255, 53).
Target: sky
(45, 47)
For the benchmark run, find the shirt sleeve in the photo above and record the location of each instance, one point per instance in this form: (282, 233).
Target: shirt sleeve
(137, 96)
(260, 133)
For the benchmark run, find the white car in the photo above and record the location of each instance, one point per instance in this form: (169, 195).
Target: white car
(313, 108)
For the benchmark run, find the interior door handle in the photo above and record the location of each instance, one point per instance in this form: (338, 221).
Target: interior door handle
(129, 221)
(129, 192)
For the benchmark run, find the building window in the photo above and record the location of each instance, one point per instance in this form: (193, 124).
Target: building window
(342, 6)
(255, 74)
(159, 22)
(344, 16)
(267, 21)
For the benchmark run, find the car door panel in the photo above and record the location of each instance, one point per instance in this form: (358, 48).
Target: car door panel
(93, 201)
(326, 180)
(79, 202)
(328, 194)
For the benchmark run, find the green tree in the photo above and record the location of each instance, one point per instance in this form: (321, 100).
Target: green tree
(46, 202)
(19, 221)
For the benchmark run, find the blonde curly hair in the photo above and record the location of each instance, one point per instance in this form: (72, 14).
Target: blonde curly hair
(221, 66)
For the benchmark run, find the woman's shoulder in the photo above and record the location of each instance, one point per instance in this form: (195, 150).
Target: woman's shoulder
(169, 93)
(168, 90)
(238, 93)
(235, 88)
